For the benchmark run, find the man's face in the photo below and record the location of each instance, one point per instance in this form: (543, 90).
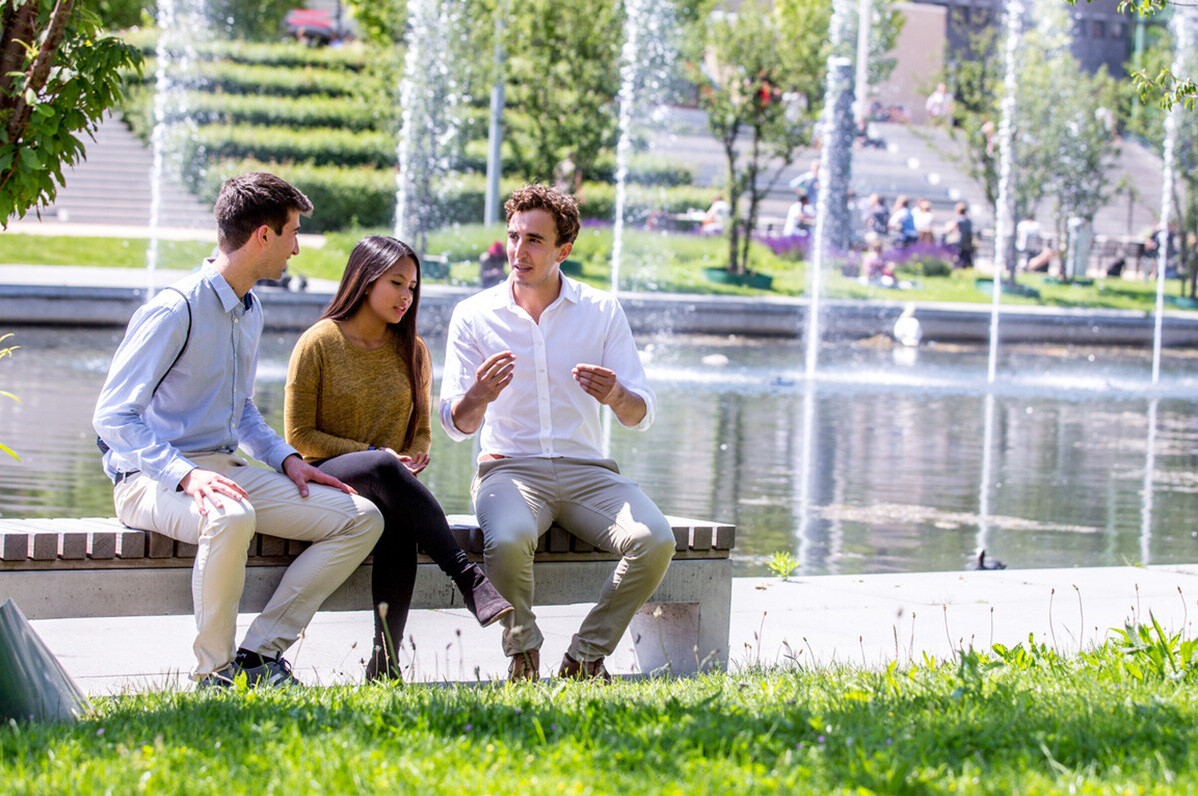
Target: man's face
(280, 246)
(532, 251)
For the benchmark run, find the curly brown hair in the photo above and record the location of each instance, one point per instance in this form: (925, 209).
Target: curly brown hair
(562, 207)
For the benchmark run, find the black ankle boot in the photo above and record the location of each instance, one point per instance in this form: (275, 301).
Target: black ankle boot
(481, 596)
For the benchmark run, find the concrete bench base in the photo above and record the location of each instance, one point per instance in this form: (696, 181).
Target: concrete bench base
(49, 568)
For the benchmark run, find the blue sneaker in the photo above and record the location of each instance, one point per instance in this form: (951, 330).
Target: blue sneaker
(214, 681)
(271, 674)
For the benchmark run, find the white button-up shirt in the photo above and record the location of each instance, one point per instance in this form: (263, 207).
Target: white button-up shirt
(543, 411)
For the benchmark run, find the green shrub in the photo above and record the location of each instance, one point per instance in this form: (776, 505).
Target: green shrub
(290, 54)
(318, 146)
(234, 78)
(343, 197)
(346, 113)
(645, 168)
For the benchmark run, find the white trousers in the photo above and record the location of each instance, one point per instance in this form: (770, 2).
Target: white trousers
(342, 529)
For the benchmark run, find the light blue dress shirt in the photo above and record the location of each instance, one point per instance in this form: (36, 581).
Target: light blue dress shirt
(205, 403)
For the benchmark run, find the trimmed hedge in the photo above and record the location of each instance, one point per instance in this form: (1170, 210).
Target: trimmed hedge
(343, 197)
(345, 113)
(233, 78)
(353, 56)
(321, 146)
(644, 168)
(365, 197)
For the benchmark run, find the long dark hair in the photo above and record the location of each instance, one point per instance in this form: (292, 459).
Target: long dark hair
(372, 257)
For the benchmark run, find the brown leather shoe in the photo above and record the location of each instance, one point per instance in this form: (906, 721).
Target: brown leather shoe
(525, 665)
(583, 670)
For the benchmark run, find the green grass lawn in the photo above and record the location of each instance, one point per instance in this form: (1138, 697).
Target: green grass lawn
(1120, 718)
(650, 262)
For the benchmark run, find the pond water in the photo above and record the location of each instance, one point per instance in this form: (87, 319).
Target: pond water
(892, 460)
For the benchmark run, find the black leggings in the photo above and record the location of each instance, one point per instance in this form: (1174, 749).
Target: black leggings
(411, 517)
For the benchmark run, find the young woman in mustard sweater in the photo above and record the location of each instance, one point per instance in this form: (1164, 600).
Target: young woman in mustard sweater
(358, 407)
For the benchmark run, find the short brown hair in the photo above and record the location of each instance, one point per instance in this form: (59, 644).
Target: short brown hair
(251, 200)
(563, 208)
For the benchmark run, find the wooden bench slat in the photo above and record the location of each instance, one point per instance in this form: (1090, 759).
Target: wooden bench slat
(72, 545)
(131, 544)
(558, 540)
(16, 546)
(45, 546)
(101, 545)
(271, 546)
(160, 546)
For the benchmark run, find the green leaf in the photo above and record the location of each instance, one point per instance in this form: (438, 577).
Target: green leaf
(29, 159)
(9, 451)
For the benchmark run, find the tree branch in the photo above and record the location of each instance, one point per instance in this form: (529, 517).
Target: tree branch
(39, 71)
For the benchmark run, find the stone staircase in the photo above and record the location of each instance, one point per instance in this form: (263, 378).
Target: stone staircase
(111, 187)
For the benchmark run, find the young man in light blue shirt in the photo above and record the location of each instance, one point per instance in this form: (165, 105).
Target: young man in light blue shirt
(178, 403)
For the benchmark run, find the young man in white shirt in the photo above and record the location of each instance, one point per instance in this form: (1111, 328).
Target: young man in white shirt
(530, 362)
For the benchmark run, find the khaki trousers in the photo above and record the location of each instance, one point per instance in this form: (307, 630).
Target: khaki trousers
(517, 499)
(342, 529)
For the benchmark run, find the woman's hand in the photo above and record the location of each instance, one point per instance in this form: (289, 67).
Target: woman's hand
(415, 464)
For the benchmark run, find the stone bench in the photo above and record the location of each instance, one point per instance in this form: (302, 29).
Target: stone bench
(94, 567)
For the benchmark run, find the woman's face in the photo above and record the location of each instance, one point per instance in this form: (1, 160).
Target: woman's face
(391, 295)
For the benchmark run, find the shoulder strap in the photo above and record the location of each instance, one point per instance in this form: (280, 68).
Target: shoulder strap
(186, 339)
(103, 446)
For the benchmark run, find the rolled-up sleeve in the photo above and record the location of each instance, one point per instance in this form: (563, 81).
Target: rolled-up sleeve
(462, 358)
(621, 357)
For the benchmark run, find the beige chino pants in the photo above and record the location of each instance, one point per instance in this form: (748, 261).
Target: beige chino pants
(517, 499)
(342, 529)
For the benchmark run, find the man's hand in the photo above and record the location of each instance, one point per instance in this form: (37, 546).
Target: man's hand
(601, 384)
(492, 376)
(201, 484)
(598, 382)
(301, 473)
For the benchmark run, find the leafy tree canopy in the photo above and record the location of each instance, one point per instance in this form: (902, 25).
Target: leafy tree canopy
(1167, 87)
(58, 74)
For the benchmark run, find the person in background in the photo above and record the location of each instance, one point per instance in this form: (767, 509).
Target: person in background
(959, 232)
(925, 222)
(902, 223)
(177, 404)
(492, 266)
(939, 105)
(716, 216)
(357, 406)
(531, 363)
(800, 216)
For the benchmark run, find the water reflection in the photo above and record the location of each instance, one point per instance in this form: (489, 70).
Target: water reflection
(878, 465)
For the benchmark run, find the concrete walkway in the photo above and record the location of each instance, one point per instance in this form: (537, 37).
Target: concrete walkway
(865, 620)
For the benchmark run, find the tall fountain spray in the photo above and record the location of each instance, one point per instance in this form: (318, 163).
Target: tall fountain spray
(831, 214)
(1180, 25)
(182, 25)
(645, 60)
(1004, 217)
(430, 96)
(831, 225)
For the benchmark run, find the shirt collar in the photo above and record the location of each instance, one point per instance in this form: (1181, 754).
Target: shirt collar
(504, 296)
(221, 287)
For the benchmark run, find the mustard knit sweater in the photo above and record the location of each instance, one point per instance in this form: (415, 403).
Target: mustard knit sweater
(341, 398)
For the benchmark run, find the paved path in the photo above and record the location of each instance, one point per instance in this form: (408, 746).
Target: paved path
(865, 620)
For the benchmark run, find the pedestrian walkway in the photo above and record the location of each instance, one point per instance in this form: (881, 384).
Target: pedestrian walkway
(860, 620)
